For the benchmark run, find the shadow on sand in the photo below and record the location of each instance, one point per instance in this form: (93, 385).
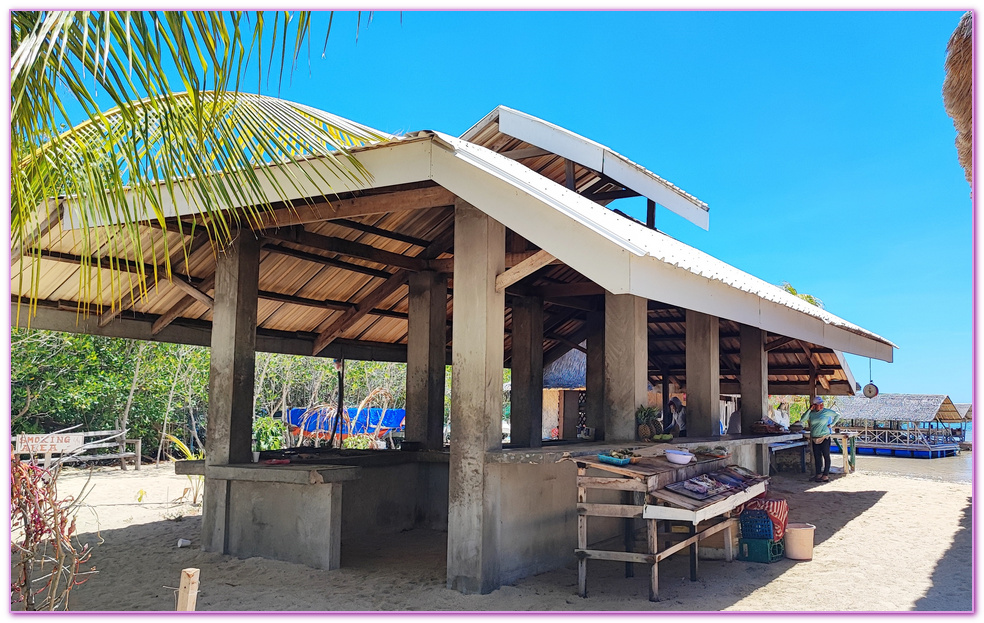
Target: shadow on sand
(954, 570)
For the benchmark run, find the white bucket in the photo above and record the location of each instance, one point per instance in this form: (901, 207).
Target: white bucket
(799, 541)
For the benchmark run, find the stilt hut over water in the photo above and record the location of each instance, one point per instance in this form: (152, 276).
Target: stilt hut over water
(497, 248)
(913, 425)
(966, 411)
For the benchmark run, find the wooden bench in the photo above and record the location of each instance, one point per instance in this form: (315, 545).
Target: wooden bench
(786, 445)
(93, 448)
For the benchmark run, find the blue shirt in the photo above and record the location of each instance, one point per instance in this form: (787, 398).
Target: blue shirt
(821, 422)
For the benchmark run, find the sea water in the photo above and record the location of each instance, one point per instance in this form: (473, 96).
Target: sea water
(958, 468)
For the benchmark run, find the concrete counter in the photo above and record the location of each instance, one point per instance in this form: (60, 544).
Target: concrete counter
(554, 453)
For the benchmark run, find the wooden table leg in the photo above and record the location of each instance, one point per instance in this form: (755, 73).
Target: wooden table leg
(582, 541)
(845, 452)
(628, 528)
(729, 543)
(693, 555)
(652, 539)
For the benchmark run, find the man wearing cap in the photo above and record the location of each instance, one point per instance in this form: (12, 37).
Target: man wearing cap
(821, 422)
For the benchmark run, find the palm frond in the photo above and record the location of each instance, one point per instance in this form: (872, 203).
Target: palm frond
(208, 145)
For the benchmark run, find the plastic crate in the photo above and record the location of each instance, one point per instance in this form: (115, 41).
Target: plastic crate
(756, 524)
(760, 550)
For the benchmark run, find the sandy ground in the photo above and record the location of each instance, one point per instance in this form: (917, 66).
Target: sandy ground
(884, 542)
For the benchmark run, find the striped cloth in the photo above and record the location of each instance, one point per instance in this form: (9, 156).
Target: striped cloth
(776, 508)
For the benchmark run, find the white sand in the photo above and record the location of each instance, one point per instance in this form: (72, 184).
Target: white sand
(883, 543)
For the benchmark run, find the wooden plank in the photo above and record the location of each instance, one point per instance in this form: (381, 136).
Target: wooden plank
(188, 590)
(584, 288)
(399, 201)
(446, 265)
(55, 213)
(180, 307)
(379, 231)
(774, 344)
(381, 293)
(527, 267)
(600, 554)
(183, 284)
(609, 510)
(696, 515)
(695, 538)
(652, 540)
(616, 484)
(526, 152)
(342, 246)
(270, 246)
(582, 538)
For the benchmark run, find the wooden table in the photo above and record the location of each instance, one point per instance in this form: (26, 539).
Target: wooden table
(644, 496)
(848, 442)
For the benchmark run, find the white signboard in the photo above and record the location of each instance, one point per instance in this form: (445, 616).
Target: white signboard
(47, 442)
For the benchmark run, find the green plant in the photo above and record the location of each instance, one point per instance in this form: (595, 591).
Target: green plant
(358, 442)
(197, 482)
(268, 433)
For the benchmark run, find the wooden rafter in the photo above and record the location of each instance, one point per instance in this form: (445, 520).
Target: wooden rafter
(776, 343)
(400, 201)
(379, 231)
(525, 268)
(180, 307)
(380, 293)
(153, 277)
(272, 247)
(348, 248)
(54, 217)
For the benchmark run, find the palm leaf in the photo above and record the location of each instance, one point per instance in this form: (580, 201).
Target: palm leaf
(207, 146)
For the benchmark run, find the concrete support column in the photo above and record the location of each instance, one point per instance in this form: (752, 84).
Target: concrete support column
(231, 379)
(476, 402)
(626, 363)
(527, 372)
(594, 384)
(703, 375)
(426, 357)
(754, 380)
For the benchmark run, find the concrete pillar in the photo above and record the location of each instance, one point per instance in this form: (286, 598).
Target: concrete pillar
(754, 379)
(426, 336)
(231, 378)
(626, 363)
(527, 372)
(703, 375)
(594, 384)
(476, 402)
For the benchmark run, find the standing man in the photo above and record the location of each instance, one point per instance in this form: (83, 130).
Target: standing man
(821, 422)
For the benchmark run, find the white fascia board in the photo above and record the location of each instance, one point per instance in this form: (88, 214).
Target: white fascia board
(596, 156)
(398, 162)
(492, 117)
(842, 361)
(633, 176)
(551, 137)
(542, 212)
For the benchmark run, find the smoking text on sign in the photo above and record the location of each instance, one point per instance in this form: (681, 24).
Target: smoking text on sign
(41, 444)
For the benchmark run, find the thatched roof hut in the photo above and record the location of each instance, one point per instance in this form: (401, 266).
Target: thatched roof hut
(898, 408)
(958, 89)
(568, 372)
(965, 409)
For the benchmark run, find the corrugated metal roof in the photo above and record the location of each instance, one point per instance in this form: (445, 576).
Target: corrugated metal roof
(638, 239)
(898, 408)
(306, 288)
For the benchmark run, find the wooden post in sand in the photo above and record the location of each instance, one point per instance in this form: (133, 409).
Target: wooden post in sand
(188, 590)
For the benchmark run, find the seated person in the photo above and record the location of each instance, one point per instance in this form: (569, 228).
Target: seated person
(678, 426)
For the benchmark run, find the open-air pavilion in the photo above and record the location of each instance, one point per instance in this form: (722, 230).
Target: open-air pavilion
(916, 425)
(497, 248)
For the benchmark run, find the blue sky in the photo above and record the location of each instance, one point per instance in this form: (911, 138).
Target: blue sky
(818, 139)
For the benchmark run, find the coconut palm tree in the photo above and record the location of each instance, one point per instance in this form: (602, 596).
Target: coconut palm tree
(200, 142)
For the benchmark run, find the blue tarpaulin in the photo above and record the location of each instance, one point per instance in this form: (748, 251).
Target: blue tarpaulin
(367, 421)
